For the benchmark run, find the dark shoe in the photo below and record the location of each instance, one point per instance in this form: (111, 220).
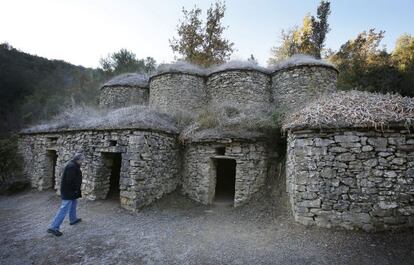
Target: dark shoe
(75, 222)
(54, 232)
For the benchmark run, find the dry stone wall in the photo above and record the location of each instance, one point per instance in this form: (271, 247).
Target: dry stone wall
(352, 178)
(149, 167)
(112, 97)
(34, 150)
(199, 172)
(151, 160)
(173, 90)
(293, 88)
(170, 92)
(239, 88)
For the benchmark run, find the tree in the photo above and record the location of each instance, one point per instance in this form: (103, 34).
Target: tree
(308, 39)
(287, 48)
(403, 59)
(320, 27)
(203, 45)
(403, 54)
(304, 36)
(295, 41)
(252, 59)
(216, 49)
(150, 64)
(362, 64)
(34, 88)
(125, 61)
(190, 35)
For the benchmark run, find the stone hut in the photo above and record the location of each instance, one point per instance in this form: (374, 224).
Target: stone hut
(299, 80)
(124, 90)
(131, 154)
(343, 171)
(218, 162)
(349, 155)
(178, 87)
(239, 85)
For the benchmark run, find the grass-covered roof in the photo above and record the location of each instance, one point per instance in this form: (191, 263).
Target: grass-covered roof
(353, 109)
(85, 118)
(128, 80)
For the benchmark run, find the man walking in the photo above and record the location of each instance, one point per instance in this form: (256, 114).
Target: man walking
(70, 191)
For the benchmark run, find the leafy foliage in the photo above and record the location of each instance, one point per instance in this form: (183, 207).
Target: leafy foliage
(202, 45)
(363, 65)
(34, 88)
(287, 48)
(253, 59)
(125, 61)
(403, 54)
(308, 39)
(320, 27)
(403, 59)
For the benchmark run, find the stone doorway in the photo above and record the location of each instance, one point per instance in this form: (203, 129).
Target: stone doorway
(50, 170)
(225, 180)
(112, 163)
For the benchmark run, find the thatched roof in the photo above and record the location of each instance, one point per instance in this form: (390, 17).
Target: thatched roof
(237, 65)
(353, 109)
(129, 80)
(219, 134)
(188, 68)
(299, 60)
(134, 117)
(180, 67)
(227, 120)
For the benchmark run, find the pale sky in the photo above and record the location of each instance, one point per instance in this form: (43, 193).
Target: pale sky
(83, 31)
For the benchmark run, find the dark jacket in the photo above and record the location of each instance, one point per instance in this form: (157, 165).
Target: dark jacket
(70, 186)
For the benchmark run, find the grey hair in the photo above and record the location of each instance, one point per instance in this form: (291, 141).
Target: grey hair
(78, 157)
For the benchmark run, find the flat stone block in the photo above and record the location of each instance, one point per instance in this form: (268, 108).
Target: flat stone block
(346, 138)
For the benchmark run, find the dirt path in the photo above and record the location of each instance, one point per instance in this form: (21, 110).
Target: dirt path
(178, 231)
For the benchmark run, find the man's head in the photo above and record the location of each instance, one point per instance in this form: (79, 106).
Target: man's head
(78, 158)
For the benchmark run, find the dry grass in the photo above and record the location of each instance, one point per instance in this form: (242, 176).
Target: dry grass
(128, 79)
(85, 118)
(189, 68)
(298, 60)
(230, 120)
(353, 109)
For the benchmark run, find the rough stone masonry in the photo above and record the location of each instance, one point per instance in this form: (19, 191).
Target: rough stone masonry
(347, 177)
(352, 178)
(149, 166)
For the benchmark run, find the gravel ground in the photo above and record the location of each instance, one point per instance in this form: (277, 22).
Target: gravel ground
(175, 230)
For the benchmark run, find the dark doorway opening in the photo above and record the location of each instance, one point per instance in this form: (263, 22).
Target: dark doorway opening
(115, 173)
(225, 180)
(51, 169)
